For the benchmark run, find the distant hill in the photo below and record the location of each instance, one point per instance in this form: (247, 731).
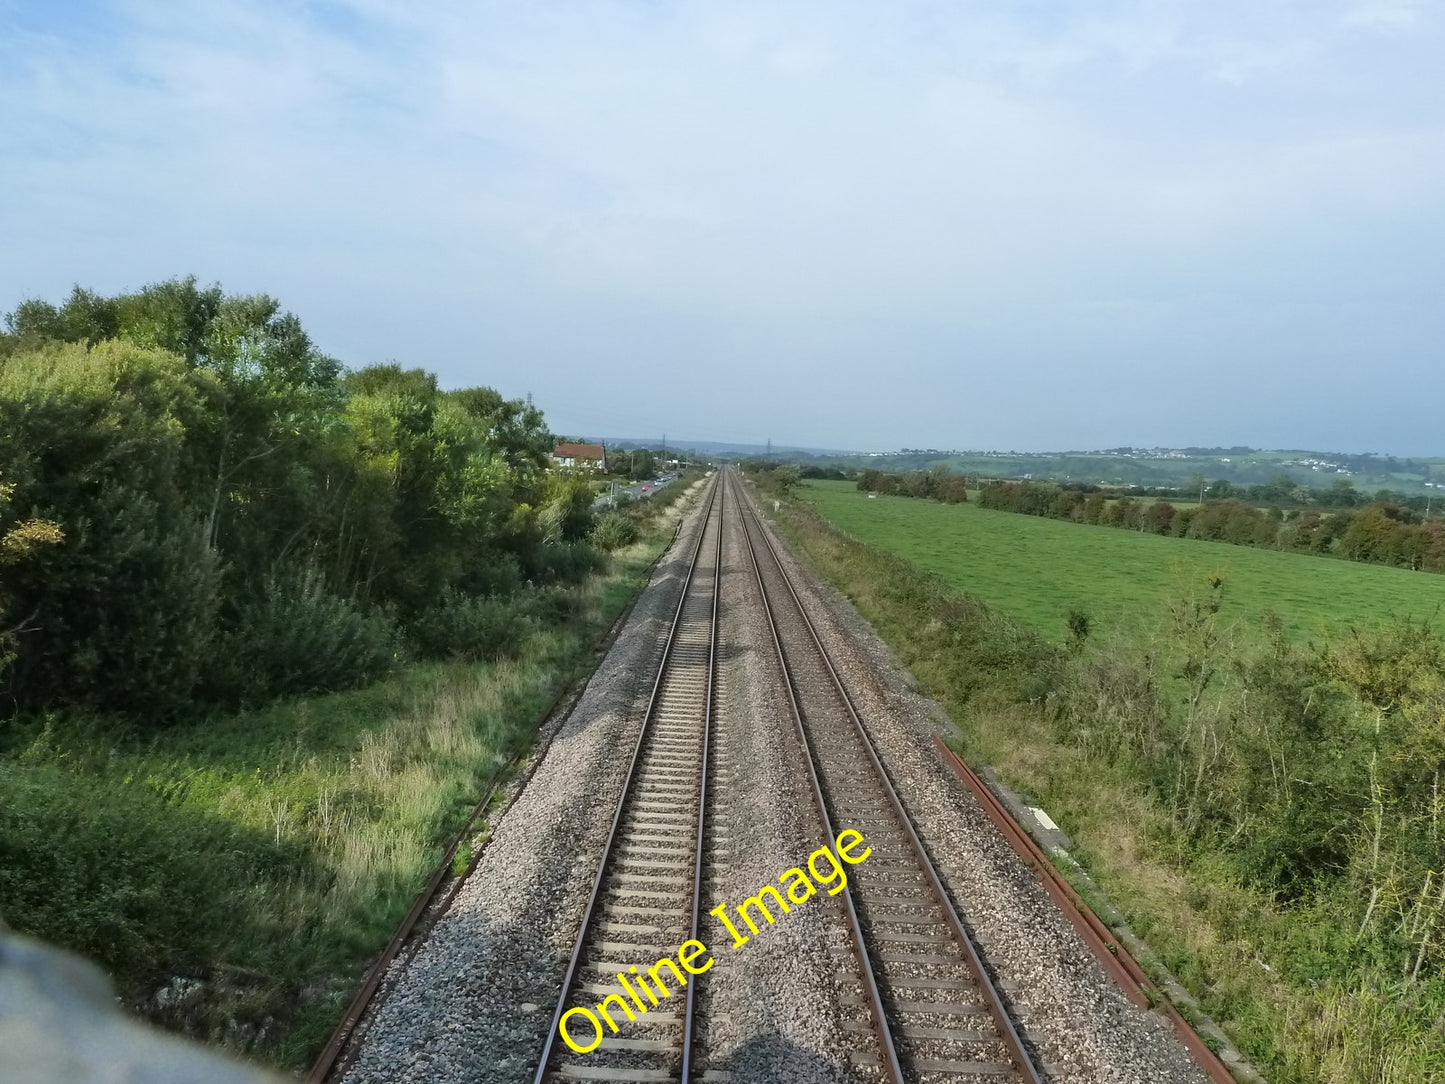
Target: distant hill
(1123, 466)
(1180, 467)
(712, 447)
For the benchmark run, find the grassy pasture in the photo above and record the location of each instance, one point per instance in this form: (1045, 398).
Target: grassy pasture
(1037, 569)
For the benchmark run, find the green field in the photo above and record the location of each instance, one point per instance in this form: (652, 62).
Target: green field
(1318, 470)
(1038, 569)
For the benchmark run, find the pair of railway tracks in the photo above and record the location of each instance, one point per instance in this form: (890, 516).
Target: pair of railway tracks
(929, 1012)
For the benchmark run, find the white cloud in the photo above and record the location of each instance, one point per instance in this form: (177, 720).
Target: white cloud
(1385, 15)
(808, 173)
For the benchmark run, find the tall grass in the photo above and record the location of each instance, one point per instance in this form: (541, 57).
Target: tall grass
(236, 873)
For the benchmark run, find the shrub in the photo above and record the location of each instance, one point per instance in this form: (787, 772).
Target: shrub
(297, 636)
(463, 626)
(613, 531)
(567, 561)
(566, 511)
(496, 574)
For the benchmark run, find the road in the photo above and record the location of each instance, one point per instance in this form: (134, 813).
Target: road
(637, 491)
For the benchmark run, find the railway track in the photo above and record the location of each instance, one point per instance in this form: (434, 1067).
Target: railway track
(931, 1005)
(929, 1012)
(886, 975)
(647, 894)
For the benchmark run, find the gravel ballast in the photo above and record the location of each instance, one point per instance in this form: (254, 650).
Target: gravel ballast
(474, 1000)
(1067, 1007)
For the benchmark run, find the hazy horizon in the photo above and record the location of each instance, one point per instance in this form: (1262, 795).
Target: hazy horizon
(653, 443)
(1079, 226)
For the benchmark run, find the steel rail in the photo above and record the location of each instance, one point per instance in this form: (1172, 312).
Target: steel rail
(564, 995)
(1112, 956)
(687, 1018)
(1018, 1053)
(326, 1064)
(889, 1049)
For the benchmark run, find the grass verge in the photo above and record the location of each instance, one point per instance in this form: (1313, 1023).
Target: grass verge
(235, 874)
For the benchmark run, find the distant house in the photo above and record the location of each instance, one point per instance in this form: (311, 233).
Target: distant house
(584, 456)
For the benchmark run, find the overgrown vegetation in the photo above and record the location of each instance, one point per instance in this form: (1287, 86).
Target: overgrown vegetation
(241, 516)
(236, 872)
(1268, 810)
(205, 525)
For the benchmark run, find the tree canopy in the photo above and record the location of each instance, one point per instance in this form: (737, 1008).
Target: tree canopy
(196, 490)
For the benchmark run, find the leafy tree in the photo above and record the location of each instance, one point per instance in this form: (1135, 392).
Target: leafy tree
(787, 477)
(95, 442)
(173, 316)
(514, 429)
(643, 464)
(231, 500)
(18, 540)
(1369, 536)
(1159, 517)
(566, 513)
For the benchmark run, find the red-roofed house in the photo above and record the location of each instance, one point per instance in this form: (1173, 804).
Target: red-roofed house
(584, 456)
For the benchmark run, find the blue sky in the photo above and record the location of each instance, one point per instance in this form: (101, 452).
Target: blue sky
(862, 225)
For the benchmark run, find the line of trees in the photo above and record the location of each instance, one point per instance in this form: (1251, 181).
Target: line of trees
(214, 509)
(1380, 533)
(936, 483)
(1282, 491)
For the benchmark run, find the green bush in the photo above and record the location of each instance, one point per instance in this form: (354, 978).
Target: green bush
(297, 636)
(613, 531)
(148, 646)
(568, 562)
(467, 627)
(495, 574)
(566, 511)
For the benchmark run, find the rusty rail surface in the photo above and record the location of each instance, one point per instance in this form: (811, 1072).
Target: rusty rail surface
(1115, 958)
